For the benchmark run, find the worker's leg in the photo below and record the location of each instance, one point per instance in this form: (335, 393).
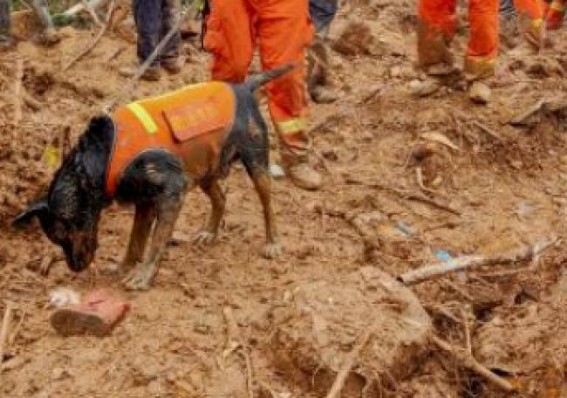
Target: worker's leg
(42, 10)
(50, 35)
(171, 15)
(171, 60)
(533, 8)
(437, 25)
(322, 14)
(229, 37)
(148, 15)
(555, 14)
(4, 23)
(284, 33)
(531, 20)
(483, 43)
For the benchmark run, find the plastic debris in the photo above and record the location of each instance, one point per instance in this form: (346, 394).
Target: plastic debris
(63, 296)
(277, 171)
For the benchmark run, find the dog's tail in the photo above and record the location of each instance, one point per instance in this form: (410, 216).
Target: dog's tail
(257, 81)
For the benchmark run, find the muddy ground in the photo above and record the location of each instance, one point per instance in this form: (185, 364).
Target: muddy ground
(501, 188)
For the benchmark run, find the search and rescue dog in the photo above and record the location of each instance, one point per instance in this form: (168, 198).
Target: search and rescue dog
(150, 153)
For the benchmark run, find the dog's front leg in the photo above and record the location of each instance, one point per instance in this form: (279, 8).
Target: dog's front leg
(208, 234)
(263, 185)
(143, 221)
(167, 213)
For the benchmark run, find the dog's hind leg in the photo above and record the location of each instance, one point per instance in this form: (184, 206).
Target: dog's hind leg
(143, 221)
(209, 232)
(263, 185)
(168, 210)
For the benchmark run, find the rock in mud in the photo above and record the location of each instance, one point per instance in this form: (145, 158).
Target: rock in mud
(318, 327)
(423, 88)
(480, 93)
(355, 39)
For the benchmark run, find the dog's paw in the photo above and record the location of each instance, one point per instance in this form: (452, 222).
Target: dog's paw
(204, 238)
(272, 250)
(138, 279)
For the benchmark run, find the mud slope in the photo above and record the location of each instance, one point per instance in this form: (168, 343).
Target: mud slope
(490, 188)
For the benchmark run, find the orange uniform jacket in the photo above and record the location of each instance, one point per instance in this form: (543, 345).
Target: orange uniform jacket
(191, 123)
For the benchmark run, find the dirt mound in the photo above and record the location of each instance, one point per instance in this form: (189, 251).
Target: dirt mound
(315, 335)
(531, 341)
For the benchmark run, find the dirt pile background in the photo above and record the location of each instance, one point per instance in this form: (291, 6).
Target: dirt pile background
(489, 187)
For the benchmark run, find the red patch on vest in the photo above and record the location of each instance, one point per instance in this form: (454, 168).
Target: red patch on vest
(194, 119)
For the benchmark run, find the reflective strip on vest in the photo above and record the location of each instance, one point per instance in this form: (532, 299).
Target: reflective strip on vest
(292, 125)
(144, 117)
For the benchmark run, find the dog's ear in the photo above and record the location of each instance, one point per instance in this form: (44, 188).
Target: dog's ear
(36, 209)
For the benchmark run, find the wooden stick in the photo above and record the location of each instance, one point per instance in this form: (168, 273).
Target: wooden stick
(486, 129)
(18, 92)
(350, 361)
(6, 322)
(417, 197)
(469, 362)
(476, 123)
(92, 13)
(77, 8)
(521, 119)
(115, 53)
(94, 42)
(436, 270)
(235, 337)
(468, 339)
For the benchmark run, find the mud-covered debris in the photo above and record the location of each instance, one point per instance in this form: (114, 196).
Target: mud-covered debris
(423, 88)
(316, 332)
(480, 93)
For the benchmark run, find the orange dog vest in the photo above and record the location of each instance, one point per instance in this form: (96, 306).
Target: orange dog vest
(192, 123)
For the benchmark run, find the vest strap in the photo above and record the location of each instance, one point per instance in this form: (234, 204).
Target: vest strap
(144, 117)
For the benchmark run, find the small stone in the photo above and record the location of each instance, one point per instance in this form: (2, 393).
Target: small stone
(277, 171)
(395, 71)
(480, 93)
(423, 88)
(59, 374)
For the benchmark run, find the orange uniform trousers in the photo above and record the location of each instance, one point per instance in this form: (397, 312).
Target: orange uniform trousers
(532, 8)
(438, 18)
(282, 30)
(555, 14)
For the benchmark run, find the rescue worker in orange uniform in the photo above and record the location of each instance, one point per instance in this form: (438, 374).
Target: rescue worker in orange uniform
(555, 13)
(282, 30)
(531, 15)
(531, 20)
(438, 23)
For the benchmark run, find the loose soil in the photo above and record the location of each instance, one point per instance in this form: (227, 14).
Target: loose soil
(300, 315)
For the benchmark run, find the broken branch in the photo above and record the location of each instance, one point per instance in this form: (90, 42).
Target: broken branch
(486, 129)
(6, 322)
(18, 91)
(521, 119)
(350, 361)
(469, 362)
(417, 197)
(95, 41)
(461, 263)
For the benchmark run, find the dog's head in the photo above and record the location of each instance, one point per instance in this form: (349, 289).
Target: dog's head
(70, 212)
